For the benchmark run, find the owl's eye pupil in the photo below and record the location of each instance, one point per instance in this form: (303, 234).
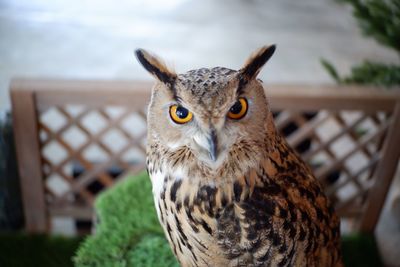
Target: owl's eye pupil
(236, 108)
(239, 109)
(182, 112)
(179, 114)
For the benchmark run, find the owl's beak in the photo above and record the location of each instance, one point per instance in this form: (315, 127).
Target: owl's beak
(213, 145)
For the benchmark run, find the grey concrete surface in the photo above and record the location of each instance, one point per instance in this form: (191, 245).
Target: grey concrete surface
(95, 39)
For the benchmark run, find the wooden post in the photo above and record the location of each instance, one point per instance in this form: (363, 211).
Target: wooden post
(384, 175)
(28, 154)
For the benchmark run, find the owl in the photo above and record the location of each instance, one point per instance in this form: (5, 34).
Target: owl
(227, 188)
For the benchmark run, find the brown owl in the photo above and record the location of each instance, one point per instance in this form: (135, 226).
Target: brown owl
(228, 189)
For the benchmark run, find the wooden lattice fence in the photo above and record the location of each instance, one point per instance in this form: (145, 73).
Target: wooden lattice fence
(77, 138)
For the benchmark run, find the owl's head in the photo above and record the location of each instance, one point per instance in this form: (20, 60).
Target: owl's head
(213, 112)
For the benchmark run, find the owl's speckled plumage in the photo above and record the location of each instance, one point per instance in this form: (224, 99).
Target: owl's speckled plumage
(232, 192)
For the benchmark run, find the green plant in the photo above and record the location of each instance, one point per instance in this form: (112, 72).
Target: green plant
(367, 73)
(379, 19)
(128, 233)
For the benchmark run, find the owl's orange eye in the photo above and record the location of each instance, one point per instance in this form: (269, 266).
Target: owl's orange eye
(180, 114)
(239, 109)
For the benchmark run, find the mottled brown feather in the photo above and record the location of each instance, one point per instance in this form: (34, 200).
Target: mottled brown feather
(258, 204)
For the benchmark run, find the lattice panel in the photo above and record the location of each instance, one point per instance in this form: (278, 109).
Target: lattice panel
(75, 138)
(86, 150)
(343, 149)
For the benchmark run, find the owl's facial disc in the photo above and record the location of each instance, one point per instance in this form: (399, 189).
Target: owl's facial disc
(216, 134)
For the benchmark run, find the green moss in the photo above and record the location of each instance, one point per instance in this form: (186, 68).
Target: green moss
(152, 250)
(128, 233)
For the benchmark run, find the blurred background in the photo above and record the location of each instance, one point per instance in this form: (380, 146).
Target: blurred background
(95, 39)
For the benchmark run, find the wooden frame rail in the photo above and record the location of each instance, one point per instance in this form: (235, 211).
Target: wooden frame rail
(293, 103)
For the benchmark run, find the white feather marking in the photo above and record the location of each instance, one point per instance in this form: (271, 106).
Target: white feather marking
(179, 172)
(201, 140)
(174, 145)
(157, 180)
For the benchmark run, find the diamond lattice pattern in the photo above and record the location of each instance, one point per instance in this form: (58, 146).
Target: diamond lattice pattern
(85, 150)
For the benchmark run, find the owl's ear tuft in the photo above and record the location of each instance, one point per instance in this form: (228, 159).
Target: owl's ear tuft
(256, 61)
(155, 66)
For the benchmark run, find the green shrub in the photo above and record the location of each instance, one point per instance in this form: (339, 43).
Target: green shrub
(128, 232)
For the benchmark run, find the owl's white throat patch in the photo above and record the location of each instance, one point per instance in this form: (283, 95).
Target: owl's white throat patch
(158, 178)
(157, 181)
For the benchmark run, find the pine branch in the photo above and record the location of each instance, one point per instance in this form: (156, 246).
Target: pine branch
(331, 70)
(379, 19)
